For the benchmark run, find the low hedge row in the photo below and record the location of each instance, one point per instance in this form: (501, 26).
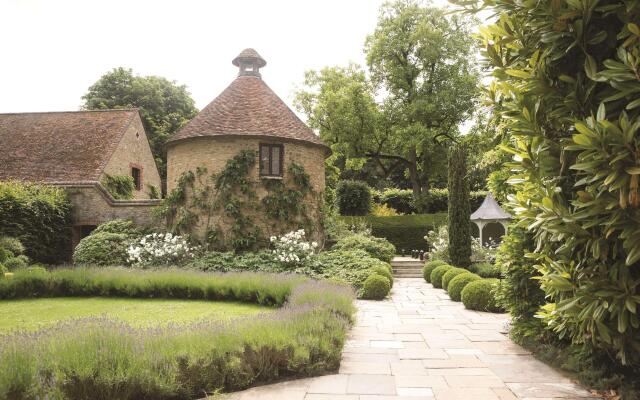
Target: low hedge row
(475, 292)
(405, 232)
(437, 200)
(99, 358)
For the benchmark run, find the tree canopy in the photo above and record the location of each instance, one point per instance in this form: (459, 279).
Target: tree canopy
(164, 105)
(421, 84)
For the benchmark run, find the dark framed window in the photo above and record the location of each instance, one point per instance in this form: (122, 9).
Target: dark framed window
(136, 174)
(271, 156)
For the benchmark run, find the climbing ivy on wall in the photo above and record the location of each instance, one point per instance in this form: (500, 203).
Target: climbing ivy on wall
(121, 187)
(230, 198)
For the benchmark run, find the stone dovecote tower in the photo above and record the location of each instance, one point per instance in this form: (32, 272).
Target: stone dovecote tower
(248, 115)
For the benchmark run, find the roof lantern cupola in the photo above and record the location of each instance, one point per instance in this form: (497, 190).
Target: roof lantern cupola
(249, 62)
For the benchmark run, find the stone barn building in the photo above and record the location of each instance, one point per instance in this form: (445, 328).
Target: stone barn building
(248, 115)
(76, 150)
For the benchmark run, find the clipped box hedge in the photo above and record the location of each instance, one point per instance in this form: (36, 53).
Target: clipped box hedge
(406, 232)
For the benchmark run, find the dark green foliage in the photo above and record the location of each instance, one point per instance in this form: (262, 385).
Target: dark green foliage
(102, 248)
(354, 198)
(429, 266)
(121, 187)
(104, 359)
(406, 232)
(377, 247)
(3, 270)
(164, 106)
(458, 283)
(229, 261)
(14, 263)
(12, 244)
(437, 201)
(123, 226)
(384, 271)
(438, 273)
(154, 192)
(567, 97)
(486, 270)
(39, 217)
(520, 293)
(353, 267)
(376, 287)
(458, 216)
(449, 275)
(479, 295)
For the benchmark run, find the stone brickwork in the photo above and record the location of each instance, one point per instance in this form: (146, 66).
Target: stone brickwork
(134, 151)
(92, 205)
(214, 152)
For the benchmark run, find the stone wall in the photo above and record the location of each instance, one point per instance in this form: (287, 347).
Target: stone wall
(134, 151)
(213, 153)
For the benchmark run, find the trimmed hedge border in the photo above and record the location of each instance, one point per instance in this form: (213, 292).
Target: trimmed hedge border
(406, 232)
(438, 273)
(428, 268)
(304, 338)
(449, 275)
(458, 283)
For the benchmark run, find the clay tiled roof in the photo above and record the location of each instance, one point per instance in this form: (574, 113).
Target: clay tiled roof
(60, 146)
(248, 107)
(249, 54)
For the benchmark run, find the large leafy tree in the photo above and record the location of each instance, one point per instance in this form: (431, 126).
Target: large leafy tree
(423, 84)
(164, 105)
(423, 59)
(568, 91)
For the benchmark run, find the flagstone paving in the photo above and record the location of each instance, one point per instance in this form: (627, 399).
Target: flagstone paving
(420, 345)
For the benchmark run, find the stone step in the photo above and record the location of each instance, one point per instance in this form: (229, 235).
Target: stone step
(407, 264)
(408, 276)
(407, 269)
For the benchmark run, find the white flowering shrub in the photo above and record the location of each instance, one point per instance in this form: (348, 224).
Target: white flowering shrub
(439, 245)
(160, 249)
(292, 249)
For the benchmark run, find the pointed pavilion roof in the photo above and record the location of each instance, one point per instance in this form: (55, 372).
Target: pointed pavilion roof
(490, 210)
(248, 107)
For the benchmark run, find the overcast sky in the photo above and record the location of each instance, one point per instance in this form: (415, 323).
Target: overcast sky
(53, 50)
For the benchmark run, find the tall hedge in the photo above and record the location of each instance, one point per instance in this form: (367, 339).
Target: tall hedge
(568, 95)
(459, 213)
(39, 216)
(354, 198)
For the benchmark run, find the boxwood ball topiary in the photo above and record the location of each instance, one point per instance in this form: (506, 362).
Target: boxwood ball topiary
(380, 270)
(478, 295)
(429, 266)
(458, 283)
(438, 273)
(376, 287)
(102, 248)
(452, 273)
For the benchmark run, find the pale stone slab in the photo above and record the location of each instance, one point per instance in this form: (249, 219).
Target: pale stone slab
(465, 394)
(414, 391)
(329, 384)
(460, 372)
(420, 381)
(371, 384)
(372, 368)
(425, 354)
(474, 381)
(408, 367)
(387, 344)
(314, 396)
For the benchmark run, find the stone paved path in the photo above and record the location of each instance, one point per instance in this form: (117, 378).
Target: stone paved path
(421, 345)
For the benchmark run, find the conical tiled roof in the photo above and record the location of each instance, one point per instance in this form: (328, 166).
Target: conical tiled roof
(248, 107)
(490, 209)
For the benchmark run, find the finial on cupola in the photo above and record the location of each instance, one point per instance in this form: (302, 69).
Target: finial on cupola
(249, 62)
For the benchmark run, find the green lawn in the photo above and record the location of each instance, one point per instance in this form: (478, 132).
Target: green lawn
(33, 314)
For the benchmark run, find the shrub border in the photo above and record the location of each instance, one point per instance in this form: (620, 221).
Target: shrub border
(306, 308)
